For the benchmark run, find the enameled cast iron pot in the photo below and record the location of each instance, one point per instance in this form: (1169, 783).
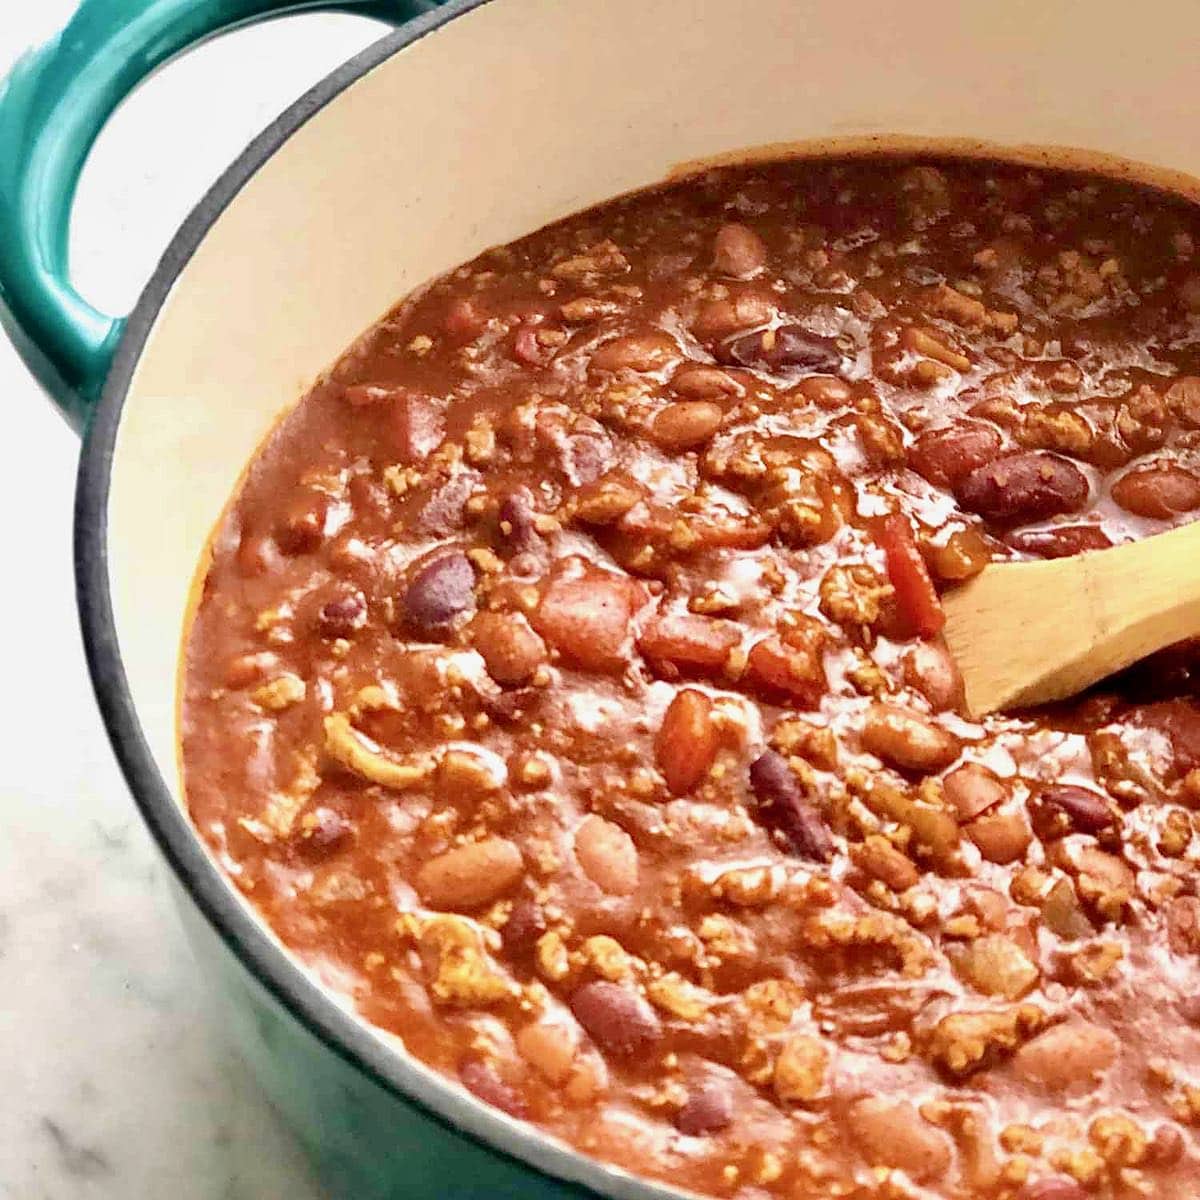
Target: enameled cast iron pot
(470, 125)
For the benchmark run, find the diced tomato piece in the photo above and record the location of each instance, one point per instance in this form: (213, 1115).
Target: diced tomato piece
(915, 594)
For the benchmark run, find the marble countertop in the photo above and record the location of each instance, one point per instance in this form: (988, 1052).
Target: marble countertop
(117, 1084)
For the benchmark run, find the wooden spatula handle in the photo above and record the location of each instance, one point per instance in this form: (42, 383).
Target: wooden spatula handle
(1027, 633)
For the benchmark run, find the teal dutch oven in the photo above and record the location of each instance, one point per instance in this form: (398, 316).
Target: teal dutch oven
(469, 125)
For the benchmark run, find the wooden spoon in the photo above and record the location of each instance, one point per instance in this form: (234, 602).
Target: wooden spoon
(1030, 632)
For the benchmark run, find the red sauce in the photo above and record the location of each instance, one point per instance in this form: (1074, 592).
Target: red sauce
(567, 686)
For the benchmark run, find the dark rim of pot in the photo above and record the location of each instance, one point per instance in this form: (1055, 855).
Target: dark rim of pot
(248, 938)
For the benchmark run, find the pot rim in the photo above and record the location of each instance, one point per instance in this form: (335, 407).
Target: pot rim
(267, 960)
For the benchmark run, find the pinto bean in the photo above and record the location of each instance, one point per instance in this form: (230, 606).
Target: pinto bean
(511, 650)
(1066, 1056)
(794, 672)
(1159, 492)
(617, 1019)
(826, 392)
(1028, 486)
(639, 352)
(607, 855)
(687, 742)
(972, 789)
(944, 456)
(470, 876)
(719, 318)
(688, 643)
(695, 381)
(587, 618)
(892, 1133)
(549, 1047)
(930, 669)
(1002, 834)
(685, 424)
(738, 251)
(908, 740)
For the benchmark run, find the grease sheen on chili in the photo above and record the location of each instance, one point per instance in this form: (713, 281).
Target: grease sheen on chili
(567, 690)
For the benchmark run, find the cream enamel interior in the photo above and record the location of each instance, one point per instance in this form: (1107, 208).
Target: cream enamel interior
(519, 112)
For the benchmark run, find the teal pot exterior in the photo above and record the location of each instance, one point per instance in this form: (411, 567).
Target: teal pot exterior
(366, 1142)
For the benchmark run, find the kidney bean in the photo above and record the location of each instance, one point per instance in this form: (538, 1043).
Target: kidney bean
(639, 352)
(1065, 1056)
(930, 669)
(1166, 1147)
(1027, 486)
(526, 923)
(1060, 541)
(607, 855)
(1002, 834)
(780, 802)
(324, 831)
(1063, 808)
(343, 615)
(1159, 492)
(688, 642)
(794, 672)
(1057, 1188)
(687, 742)
(439, 591)
(587, 618)
(527, 349)
(511, 650)
(1183, 399)
(790, 347)
(516, 513)
(708, 1109)
(738, 251)
(695, 381)
(481, 1078)
(685, 424)
(916, 597)
(463, 320)
(972, 789)
(944, 456)
(908, 740)
(617, 1019)
(892, 1133)
(470, 876)
(302, 529)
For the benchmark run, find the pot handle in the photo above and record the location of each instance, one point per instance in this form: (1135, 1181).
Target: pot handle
(53, 105)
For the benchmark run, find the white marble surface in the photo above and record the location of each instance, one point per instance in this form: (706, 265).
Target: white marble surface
(116, 1085)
